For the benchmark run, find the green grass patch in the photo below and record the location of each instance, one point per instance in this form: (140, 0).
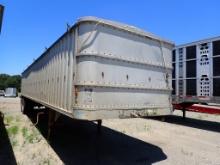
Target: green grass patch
(32, 137)
(13, 130)
(24, 132)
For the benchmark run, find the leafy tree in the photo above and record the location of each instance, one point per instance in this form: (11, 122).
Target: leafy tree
(3, 79)
(10, 81)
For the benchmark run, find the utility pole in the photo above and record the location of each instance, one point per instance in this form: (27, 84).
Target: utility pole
(1, 15)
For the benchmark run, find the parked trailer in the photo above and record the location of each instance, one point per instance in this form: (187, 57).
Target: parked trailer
(196, 76)
(10, 92)
(102, 69)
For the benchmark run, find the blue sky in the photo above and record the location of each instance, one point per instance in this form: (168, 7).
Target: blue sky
(31, 25)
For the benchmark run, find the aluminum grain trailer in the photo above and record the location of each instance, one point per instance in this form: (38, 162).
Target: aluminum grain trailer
(196, 74)
(102, 69)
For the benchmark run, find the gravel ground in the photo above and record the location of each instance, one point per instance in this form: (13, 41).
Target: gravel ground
(195, 140)
(20, 140)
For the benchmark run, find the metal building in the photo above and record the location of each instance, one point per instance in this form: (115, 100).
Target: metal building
(196, 74)
(102, 69)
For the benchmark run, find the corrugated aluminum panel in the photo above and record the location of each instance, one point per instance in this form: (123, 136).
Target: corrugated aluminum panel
(102, 69)
(50, 78)
(198, 65)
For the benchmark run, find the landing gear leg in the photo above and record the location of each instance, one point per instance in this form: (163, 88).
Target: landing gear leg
(51, 121)
(52, 118)
(99, 126)
(184, 113)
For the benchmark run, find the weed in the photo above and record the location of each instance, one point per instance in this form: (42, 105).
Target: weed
(12, 131)
(24, 132)
(30, 138)
(8, 119)
(46, 161)
(33, 137)
(14, 143)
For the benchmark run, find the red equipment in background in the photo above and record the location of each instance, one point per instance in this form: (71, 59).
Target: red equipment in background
(197, 108)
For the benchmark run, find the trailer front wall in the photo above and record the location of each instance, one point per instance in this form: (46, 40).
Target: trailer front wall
(49, 79)
(121, 70)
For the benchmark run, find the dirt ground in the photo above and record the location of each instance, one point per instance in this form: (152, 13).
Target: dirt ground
(195, 140)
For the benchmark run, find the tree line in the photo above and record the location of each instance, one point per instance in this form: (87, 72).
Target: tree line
(10, 81)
